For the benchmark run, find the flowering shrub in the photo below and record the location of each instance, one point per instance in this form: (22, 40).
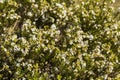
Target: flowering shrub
(59, 39)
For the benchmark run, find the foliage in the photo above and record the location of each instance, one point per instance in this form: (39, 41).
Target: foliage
(59, 40)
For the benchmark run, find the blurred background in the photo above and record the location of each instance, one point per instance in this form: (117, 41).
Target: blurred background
(117, 3)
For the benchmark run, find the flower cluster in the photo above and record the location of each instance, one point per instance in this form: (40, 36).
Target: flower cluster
(59, 40)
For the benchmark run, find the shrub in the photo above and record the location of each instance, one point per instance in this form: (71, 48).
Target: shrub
(51, 39)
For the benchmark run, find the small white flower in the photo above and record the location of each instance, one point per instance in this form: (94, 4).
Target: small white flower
(23, 64)
(42, 45)
(84, 64)
(23, 78)
(52, 34)
(46, 48)
(108, 32)
(68, 30)
(76, 20)
(32, 1)
(71, 42)
(12, 44)
(119, 9)
(83, 3)
(33, 29)
(93, 12)
(59, 5)
(16, 48)
(5, 49)
(64, 12)
(91, 37)
(14, 37)
(19, 59)
(18, 64)
(35, 5)
(50, 51)
(53, 26)
(82, 43)
(4, 15)
(113, 1)
(46, 41)
(63, 56)
(34, 37)
(29, 14)
(56, 40)
(115, 26)
(12, 10)
(106, 76)
(60, 16)
(67, 62)
(104, 9)
(25, 24)
(58, 32)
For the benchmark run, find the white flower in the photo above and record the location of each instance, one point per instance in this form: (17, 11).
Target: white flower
(113, 1)
(25, 24)
(18, 64)
(60, 16)
(83, 3)
(68, 30)
(71, 42)
(54, 12)
(64, 12)
(23, 64)
(12, 43)
(35, 5)
(119, 9)
(63, 56)
(20, 59)
(46, 41)
(42, 45)
(83, 64)
(33, 29)
(4, 15)
(53, 26)
(23, 78)
(92, 12)
(67, 62)
(58, 32)
(104, 9)
(106, 76)
(12, 10)
(14, 37)
(29, 14)
(59, 5)
(32, 1)
(115, 26)
(91, 37)
(46, 48)
(16, 48)
(56, 40)
(5, 49)
(34, 37)
(52, 34)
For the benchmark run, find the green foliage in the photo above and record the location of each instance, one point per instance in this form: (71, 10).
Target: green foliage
(82, 41)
